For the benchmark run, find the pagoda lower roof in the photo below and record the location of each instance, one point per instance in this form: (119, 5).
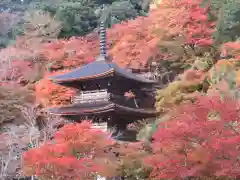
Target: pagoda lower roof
(101, 108)
(95, 70)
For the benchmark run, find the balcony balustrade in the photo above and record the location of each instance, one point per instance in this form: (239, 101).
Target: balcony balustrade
(91, 96)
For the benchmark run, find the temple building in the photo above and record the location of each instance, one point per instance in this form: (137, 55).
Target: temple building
(107, 92)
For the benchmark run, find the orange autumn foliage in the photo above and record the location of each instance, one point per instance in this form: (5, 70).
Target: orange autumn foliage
(79, 151)
(48, 93)
(233, 49)
(238, 78)
(131, 44)
(72, 53)
(223, 62)
(137, 42)
(224, 76)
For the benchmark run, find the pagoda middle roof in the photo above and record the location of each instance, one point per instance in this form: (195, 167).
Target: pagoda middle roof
(97, 69)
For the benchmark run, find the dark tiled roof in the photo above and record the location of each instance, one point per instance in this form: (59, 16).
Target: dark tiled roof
(97, 69)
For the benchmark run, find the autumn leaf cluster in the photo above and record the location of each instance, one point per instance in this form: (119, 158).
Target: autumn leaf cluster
(201, 139)
(81, 152)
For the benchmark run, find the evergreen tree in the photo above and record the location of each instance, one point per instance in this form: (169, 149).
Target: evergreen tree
(228, 20)
(78, 17)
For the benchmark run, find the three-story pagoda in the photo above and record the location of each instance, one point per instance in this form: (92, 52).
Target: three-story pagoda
(107, 92)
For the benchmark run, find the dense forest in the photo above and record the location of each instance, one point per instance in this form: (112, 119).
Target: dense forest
(75, 17)
(196, 136)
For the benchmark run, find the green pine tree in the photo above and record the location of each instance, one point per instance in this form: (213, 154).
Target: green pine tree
(228, 23)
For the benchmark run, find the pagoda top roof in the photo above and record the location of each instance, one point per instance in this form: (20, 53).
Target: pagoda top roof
(97, 69)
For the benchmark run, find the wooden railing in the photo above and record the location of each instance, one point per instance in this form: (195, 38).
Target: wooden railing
(104, 96)
(91, 96)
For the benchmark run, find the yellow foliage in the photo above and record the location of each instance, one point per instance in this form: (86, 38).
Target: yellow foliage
(174, 94)
(224, 77)
(238, 77)
(229, 63)
(155, 4)
(198, 155)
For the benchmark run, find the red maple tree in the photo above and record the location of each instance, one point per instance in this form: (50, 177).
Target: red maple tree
(79, 152)
(74, 154)
(199, 29)
(201, 139)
